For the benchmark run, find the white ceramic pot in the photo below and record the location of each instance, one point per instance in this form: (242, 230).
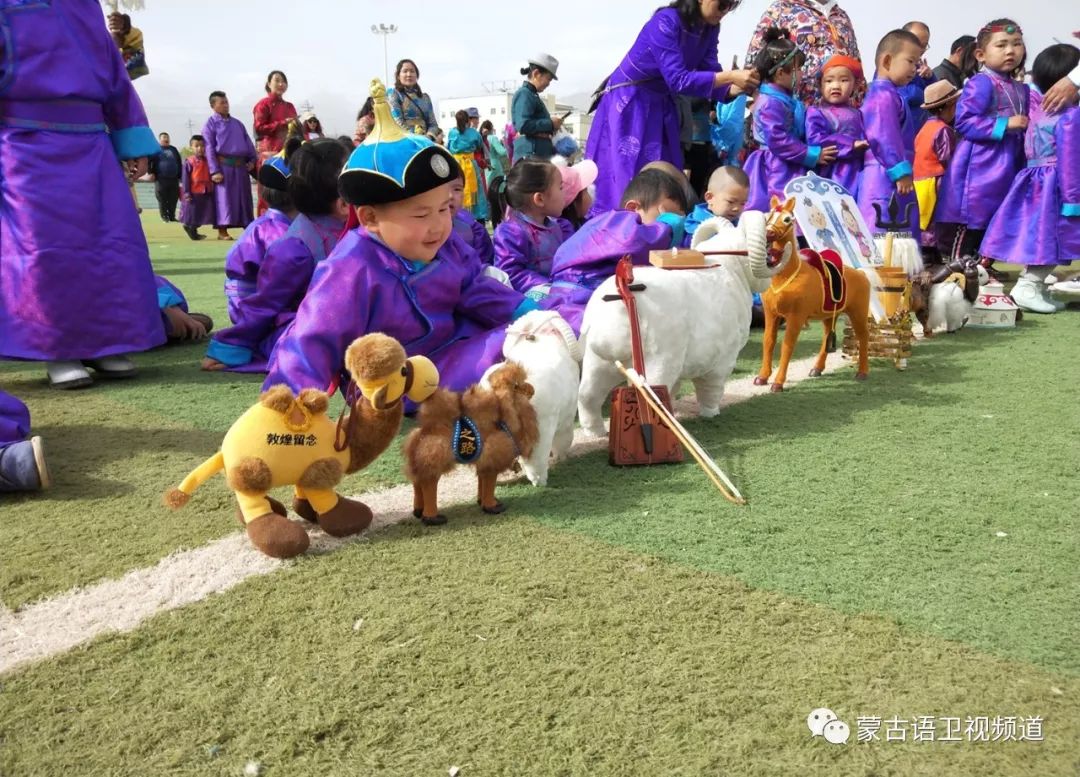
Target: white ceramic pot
(994, 309)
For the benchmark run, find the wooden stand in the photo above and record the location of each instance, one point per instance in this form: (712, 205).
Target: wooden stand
(890, 339)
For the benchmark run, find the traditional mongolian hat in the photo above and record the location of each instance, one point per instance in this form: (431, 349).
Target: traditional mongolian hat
(842, 60)
(938, 95)
(274, 173)
(391, 165)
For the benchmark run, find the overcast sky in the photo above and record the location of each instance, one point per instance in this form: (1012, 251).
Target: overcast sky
(329, 53)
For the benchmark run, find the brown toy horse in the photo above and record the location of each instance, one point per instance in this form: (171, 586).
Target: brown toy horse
(808, 287)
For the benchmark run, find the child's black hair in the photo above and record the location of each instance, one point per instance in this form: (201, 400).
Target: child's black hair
(217, 93)
(987, 31)
(893, 43)
(199, 138)
(650, 186)
(1053, 64)
(570, 212)
(690, 10)
(778, 53)
(314, 168)
(527, 177)
(345, 140)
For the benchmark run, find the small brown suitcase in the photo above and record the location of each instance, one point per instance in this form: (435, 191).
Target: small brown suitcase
(637, 435)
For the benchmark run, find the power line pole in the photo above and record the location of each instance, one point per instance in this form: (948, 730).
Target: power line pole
(386, 31)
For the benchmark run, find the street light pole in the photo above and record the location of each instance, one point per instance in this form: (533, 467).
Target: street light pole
(386, 30)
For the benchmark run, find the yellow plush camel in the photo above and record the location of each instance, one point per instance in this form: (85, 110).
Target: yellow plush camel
(290, 440)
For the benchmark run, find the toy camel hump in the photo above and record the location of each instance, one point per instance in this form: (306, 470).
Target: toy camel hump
(808, 286)
(288, 439)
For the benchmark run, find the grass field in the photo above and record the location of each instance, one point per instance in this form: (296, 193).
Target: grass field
(910, 549)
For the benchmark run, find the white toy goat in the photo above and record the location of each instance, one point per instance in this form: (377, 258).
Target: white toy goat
(545, 345)
(693, 322)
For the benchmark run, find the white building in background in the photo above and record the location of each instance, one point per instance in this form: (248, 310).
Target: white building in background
(496, 109)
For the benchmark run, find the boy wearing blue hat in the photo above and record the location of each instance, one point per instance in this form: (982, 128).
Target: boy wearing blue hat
(404, 272)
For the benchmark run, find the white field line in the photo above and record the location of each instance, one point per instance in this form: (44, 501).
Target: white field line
(53, 626)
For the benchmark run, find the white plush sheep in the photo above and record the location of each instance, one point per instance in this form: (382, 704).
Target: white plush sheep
(693, 322)
(544, 344)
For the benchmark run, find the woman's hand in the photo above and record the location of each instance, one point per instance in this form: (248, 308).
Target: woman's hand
(740, 80)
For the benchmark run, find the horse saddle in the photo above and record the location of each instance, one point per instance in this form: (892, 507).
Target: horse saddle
(830, 268)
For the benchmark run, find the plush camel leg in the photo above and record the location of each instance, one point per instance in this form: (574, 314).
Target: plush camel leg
(273, 534)
(787, 348)
(302, 507)
(429, 514)
(417, 500)
(338, 516)
(862, 332)
(488, 503)
(768, 344)
(819, 365)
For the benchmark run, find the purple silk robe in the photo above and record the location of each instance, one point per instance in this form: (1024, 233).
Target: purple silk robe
(840, 126)
(783, 153)
(200, 209)
(244, 258)
(588, 257)
(280, 286)
(228, 151)
(890, 131)
(75, 274)
(987, 157)
(1031, 226)
(14, 420)
(524, 249)
(445, 310)
(637, 121)
(475, 234)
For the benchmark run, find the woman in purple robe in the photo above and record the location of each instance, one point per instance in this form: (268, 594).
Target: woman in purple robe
(76, 284)
(990, 120)
(637, 120)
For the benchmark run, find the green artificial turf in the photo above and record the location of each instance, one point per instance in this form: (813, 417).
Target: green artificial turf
(507, 647)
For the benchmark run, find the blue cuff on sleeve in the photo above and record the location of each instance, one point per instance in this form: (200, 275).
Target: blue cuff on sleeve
(229, 355)
(134, 142)
(898, 171)
(167, 298)
(813, 154)
(527, 306)
(999, 128)
(1070, 209)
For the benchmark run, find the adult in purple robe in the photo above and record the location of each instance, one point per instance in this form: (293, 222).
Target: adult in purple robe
(588, 258)
(890, 131)
(1038, 222)
(840, 126)
(244, 259)
(475, 234)
(229, 152)
(281, 284)
(75, 282)
(637, 119)
(783, 153)
(988, 155)
(524, 249)
(446, 310)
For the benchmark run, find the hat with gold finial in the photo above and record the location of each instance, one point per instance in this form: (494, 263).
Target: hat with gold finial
(392, 165)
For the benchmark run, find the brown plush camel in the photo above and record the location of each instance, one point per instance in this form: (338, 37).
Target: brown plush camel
(808, 287)
(488, 428)
(290, 440)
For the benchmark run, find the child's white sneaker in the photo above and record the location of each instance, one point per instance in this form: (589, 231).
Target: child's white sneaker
(1029, 296)
(1068, 286)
